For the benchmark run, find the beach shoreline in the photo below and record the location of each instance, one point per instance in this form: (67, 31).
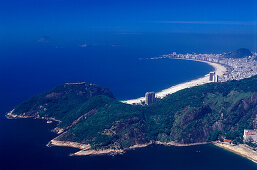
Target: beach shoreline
(218, 69)
(86, 150)
(240, 149)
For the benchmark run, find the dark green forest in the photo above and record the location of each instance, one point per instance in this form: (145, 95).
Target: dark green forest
(90, 114)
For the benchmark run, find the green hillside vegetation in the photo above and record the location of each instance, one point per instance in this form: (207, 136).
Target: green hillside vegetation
(197, 114)
(64, 101)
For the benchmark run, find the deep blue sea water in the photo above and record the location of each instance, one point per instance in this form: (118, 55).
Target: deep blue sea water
(113, 61)
(23, 146)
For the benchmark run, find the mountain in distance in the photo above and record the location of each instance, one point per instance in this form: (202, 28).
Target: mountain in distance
(88, 114)
(240, 53)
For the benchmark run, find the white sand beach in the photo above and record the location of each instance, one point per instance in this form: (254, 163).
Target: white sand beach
(219, 70)
(240, 149)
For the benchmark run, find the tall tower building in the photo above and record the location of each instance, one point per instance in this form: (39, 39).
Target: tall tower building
(149, 98)
(216, 78)
(213, 77)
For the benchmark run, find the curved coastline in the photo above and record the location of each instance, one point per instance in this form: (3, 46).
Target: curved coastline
(218, 68)
(86, 149)
(240, 149)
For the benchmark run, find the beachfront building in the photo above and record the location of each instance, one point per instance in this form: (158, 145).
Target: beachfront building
(250, 135)
(225, 140)
(149, 98)
(213, 77)
(216, 78)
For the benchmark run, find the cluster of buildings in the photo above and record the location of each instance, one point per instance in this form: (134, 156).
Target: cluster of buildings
(250, 135)
(237, 68)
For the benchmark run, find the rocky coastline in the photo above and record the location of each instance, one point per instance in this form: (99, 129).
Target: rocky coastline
(86, 149)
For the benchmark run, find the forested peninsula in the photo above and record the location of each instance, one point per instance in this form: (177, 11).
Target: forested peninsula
(91, 119)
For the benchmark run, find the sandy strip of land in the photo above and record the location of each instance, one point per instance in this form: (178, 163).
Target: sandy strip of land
(109, 151)
(240, 149)
(85, 149)
(68, 144)
(179, 144)
(140, 145)
(98, 152)
(219, 70)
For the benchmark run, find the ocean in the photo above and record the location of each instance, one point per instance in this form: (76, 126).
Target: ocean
(23, 146)
(119, 63)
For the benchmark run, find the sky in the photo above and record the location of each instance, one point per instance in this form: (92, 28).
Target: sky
(38, 19)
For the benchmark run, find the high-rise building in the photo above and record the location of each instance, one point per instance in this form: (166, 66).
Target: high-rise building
(216, 78)
(213, 77)
(149, 97)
